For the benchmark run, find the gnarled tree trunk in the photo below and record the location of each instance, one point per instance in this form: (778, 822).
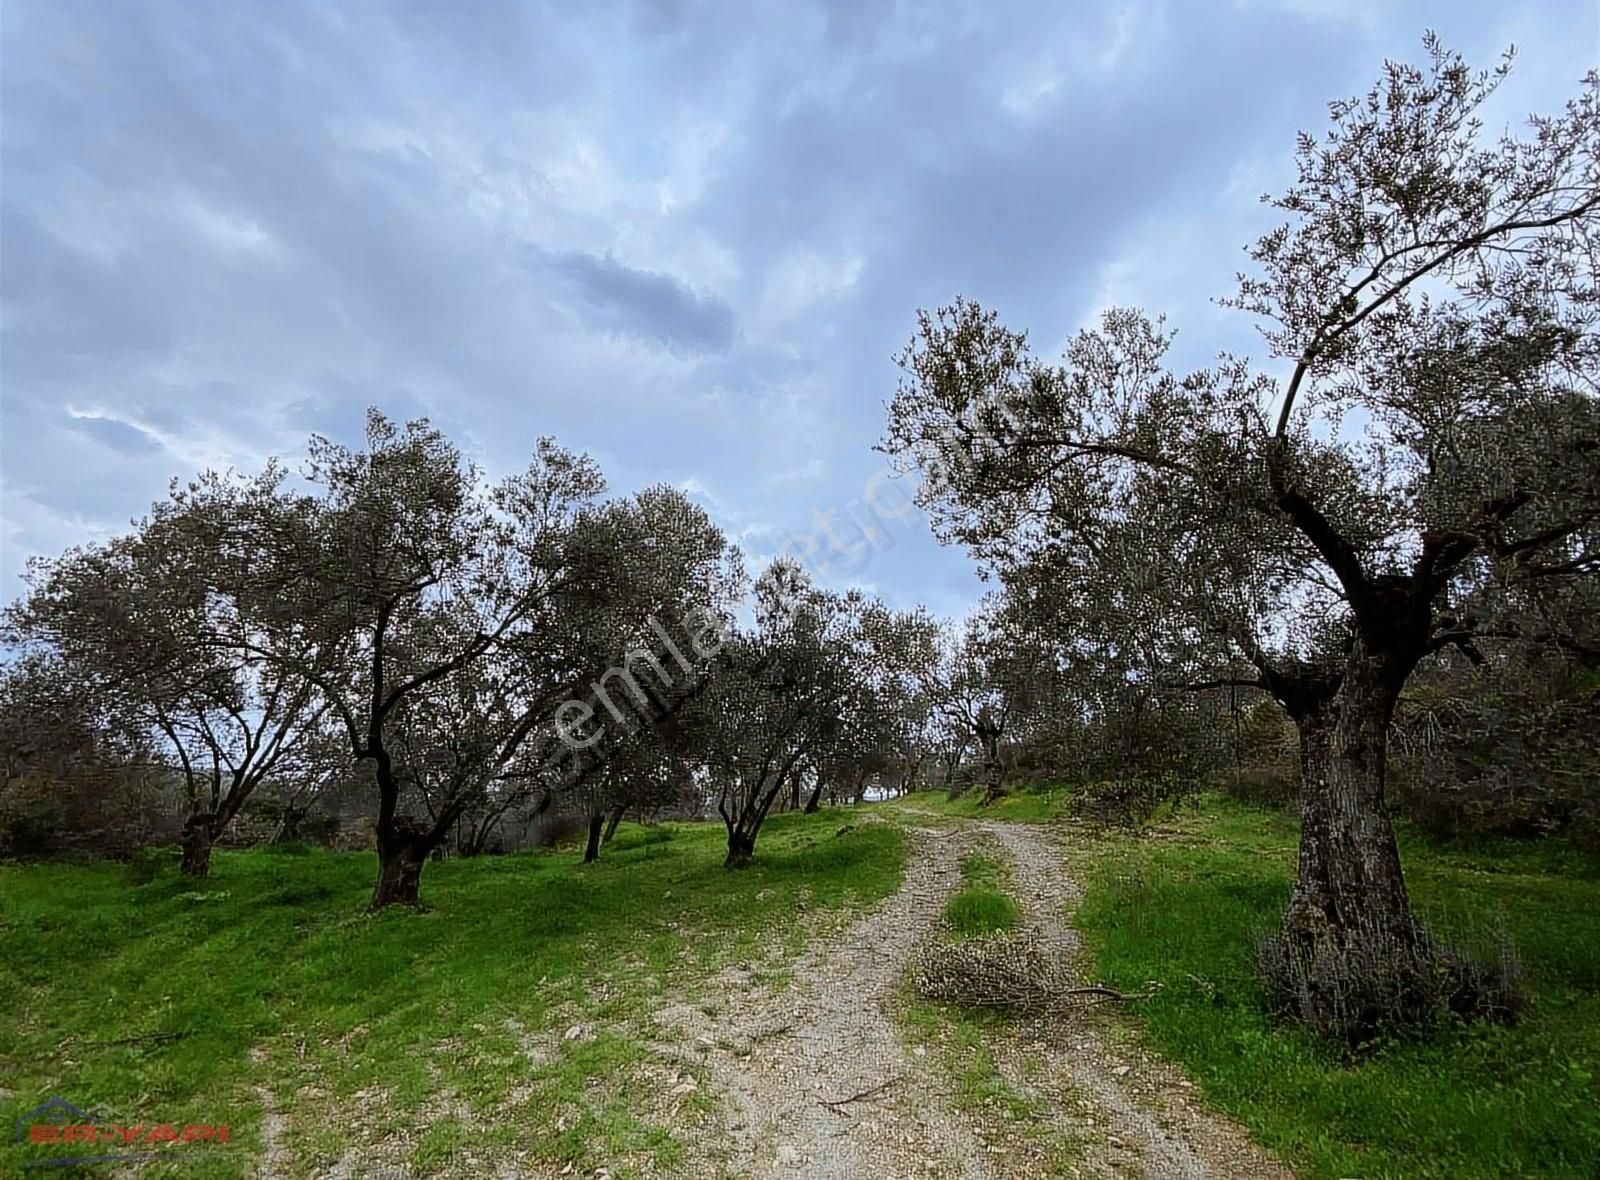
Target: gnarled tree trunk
(1349, 876)
(289, 824)
(1350, 957)
(199, 833)
(859, 791)
(591, 850)
(400, 860)
(741, 849)
(993, 771)
(403, 847)
(614, 820)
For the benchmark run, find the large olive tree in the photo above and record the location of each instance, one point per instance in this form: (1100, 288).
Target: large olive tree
(1432, 298)
(138, 621)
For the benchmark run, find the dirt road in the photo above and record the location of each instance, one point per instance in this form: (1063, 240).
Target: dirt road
(816, 1079)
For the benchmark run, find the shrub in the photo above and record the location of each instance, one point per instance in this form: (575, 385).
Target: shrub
(1131, 802)
(1503, 751)
(288, 848)
(1585, 828)
(1262, 786)
(556, 828)
(145, 865)
(1379, 984)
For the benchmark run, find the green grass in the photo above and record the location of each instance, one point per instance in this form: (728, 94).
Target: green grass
(441, 1029)
(981, 906)
(1184, 906)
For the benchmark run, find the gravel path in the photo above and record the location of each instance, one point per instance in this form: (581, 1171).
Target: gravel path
(814, 1080)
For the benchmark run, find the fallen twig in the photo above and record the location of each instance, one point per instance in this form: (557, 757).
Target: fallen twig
(1104, 995)
(1109, 993)
(835, 1103)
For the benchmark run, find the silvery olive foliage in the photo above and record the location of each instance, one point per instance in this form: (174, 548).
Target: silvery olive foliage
(145, 631)
(1418, 451)
(814, 680)
(1432, 426)
(394, 601)
(987, 684)
(74, 775)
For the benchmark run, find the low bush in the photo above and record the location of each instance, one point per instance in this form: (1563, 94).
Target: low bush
(1379, 985)
(1133, 801)
(1262, 786)
(147, 864)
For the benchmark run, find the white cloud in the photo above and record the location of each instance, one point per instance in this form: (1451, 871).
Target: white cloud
(796, 285)
(231, 233)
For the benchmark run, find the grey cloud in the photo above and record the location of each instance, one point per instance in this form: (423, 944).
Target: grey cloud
(121, 437)
(396, 158)
(653, 306)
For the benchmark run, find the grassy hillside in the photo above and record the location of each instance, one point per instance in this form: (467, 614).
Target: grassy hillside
(513, 1021)
(266, 987)
(1184, 905)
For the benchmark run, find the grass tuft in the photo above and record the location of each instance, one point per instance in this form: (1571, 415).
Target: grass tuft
(977, 910)
(981, 906)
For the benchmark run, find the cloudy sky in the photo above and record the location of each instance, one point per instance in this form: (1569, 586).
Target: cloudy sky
(685, 238)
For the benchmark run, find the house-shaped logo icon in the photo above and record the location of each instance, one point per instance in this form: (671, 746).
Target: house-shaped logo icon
(53, 1110)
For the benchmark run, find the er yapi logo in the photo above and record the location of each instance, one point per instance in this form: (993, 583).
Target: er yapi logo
(57, 1122)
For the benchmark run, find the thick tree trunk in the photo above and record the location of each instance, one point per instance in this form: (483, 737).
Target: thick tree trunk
(289, 825)
(993, 772)
(402, 846)
(1349, 870)
(199, 833)
(741, 848)
(859, 791)
(743, 828)
(814, 803)
(400, 862)
(591, 851)
(1351, 958)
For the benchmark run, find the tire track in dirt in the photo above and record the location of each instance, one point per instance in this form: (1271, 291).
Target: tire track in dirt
(1136, 1116)
(815, 1080)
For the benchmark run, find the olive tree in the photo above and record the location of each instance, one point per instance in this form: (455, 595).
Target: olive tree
(882, 732)
(138, 619)
(1432, 299)
(74, 775)
(437, 618)
(785, 688)
(986, 681)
